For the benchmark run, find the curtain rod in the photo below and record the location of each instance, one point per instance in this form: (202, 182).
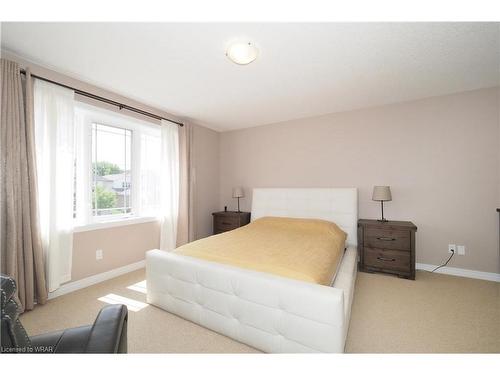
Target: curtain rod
(105, 100)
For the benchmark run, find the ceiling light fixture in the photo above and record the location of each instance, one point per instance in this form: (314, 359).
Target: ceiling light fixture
(242, 53)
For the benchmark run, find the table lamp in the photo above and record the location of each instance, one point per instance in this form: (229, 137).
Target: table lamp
(238, 193)
(382, 194)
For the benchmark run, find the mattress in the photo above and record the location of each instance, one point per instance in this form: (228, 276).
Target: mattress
(303, 249)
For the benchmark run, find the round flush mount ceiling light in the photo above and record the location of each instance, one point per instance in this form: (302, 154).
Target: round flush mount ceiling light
(242, 53)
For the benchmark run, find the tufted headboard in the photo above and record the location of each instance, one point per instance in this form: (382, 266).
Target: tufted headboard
(339, 205)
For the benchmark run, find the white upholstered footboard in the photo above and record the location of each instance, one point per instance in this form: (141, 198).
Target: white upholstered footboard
(271, 313)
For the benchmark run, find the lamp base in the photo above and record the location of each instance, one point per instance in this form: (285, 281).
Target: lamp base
(383, 220)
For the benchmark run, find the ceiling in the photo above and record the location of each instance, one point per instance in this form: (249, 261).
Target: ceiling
(304, 69)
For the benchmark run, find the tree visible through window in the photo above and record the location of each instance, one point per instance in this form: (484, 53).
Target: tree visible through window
(111, 172)
(103, 168)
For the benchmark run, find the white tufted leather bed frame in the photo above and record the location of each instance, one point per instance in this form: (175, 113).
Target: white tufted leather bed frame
(271, 313)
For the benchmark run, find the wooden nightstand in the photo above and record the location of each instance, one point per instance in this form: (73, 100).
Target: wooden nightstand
(229, 220)
(387, 247)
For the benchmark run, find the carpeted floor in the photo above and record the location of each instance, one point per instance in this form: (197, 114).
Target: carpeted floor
(435, 313)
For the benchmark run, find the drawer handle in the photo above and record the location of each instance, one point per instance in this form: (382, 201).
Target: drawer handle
(386, 239)
(386, 259)
(226, 223)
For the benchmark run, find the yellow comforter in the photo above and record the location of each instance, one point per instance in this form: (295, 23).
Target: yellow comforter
(302, 249)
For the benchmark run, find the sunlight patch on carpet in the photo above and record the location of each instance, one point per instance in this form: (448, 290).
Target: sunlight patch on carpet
(138, 287)
(132, 304)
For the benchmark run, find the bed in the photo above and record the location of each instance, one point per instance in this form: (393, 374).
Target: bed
(272, 313)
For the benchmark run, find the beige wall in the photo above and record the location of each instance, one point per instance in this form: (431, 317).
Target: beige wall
(121, 246)
(439, 155)
(84, 86)
(206, 179)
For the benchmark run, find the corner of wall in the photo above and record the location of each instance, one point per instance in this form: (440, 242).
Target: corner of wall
(206, 144)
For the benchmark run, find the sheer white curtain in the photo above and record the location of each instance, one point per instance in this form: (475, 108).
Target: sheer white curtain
(169, 185)
(55, 154)
(83, 139)
(149, 165)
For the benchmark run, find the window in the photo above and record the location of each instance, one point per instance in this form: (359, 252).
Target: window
(117, 166)
(111, 170)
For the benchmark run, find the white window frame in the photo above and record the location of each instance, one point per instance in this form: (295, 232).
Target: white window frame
(113, 217)
(88, 115)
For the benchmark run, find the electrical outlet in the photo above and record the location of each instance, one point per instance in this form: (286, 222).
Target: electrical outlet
(461, 249)
(98, 254)
(452, 247)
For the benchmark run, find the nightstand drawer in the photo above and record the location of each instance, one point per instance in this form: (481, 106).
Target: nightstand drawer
(387, 239)
(223, 225)
(220, 230)
(387, 259)
(227, 221)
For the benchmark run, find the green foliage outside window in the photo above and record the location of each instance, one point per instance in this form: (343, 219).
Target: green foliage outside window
(104, 198)
(104, 168)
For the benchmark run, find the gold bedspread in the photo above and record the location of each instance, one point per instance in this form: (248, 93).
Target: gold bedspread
(303, 249)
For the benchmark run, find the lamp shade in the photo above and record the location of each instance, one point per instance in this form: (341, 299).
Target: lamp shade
(382, 193)
(238, 192)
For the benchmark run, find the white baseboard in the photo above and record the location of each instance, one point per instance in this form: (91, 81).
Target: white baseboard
(95, 279)
(491, 276)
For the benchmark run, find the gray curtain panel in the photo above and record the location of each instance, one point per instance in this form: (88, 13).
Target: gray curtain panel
(21, 248)
(185, 223)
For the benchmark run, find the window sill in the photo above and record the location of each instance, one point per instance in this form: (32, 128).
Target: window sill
(114, 223)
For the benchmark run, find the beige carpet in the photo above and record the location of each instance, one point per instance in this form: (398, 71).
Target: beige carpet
(435, 313)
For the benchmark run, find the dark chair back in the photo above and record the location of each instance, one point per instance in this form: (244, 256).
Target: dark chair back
(108, 334)
(14, 338)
